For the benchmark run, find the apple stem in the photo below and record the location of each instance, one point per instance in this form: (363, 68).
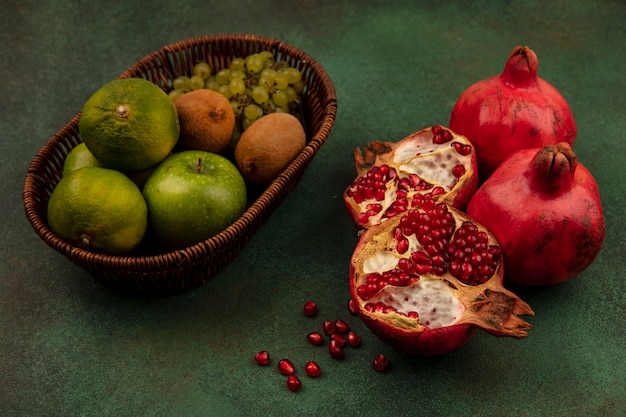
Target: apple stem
(199, 165)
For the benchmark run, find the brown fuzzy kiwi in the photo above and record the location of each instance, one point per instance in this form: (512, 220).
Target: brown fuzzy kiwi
(207, 120)
(268, 146)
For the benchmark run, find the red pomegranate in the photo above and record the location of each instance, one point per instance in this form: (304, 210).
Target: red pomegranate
(426, 280)
(544, 208)
(434, 163)
(514, 110)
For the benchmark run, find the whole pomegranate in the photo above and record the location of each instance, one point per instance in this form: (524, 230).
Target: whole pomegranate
(512, 111)
(427, 279)
(544, 208)
(433, 163)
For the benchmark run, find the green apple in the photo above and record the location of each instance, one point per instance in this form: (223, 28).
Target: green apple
(193, 195)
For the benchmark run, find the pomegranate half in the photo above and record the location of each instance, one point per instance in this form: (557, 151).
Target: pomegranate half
(426, 280)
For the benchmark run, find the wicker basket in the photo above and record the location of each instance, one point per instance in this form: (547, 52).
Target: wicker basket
(150, 271)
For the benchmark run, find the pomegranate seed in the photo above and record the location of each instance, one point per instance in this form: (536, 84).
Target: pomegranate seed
(353, 308)
(380, 363)
(339, 338)
(353, 339)
(262, 357)
(458, 170)
(293, 383)
(341, 326)
(403, 246)
(286, 367)
(335, 350)
(316, 338)
(312, 369)
(310, 308)
(328, 326)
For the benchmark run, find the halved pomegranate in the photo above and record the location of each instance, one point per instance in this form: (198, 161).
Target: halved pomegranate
(426, 280)
(434, 163)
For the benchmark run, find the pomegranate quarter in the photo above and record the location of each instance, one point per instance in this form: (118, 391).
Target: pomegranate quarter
(432, 164)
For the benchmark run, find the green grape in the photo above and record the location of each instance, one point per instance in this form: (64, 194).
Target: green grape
(223, 76)
(211, 83)
(280, 98)
(225, 91)
(237, 74)
(293, 75)
(245, 123)
(265, 82)
(268, 73)
(202, 69)
(253, 112)
(281, 80)
(237, 86)
(269, 106)
(254, 63)
(181, 83)
(283, 109)
(260, 94)
(196, 82)
(266, 55)
(281, 65)
(236, 105)
(174, 94)
(291, 94)
(238, 64)
(299, 86)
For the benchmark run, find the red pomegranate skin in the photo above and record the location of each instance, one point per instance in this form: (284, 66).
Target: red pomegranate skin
(511, 111)
(549, 230)
(430, 342)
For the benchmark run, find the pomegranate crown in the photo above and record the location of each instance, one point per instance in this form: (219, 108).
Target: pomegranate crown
(521, 68)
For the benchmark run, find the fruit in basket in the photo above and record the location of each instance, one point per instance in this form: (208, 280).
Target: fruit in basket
(193, 195)
(544, 208)
(426, 280)
(268, 146)
(514, 110)
(79, 157)
(255, 85)
(432, 164)
(207, 120)
(129, 124)
(98, 209)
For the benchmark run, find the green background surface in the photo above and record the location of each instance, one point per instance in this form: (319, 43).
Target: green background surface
(71, 347)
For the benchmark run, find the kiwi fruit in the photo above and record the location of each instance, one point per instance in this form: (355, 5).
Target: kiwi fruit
(268, 145)
(207, 120)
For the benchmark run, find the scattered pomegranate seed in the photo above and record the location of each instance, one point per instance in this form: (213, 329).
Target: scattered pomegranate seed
(315, 338)
(339, 338)
(262, 357)
(328, 326)
(310, 308)
(353, 339)
(352, 306)
(293, 383)
(341, 326)
(380, 363)
(312, 369)
(286, 367)
(334, 349)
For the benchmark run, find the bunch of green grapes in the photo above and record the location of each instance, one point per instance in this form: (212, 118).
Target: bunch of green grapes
(255, 86)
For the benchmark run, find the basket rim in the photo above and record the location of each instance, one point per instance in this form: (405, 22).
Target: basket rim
(247, 218)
